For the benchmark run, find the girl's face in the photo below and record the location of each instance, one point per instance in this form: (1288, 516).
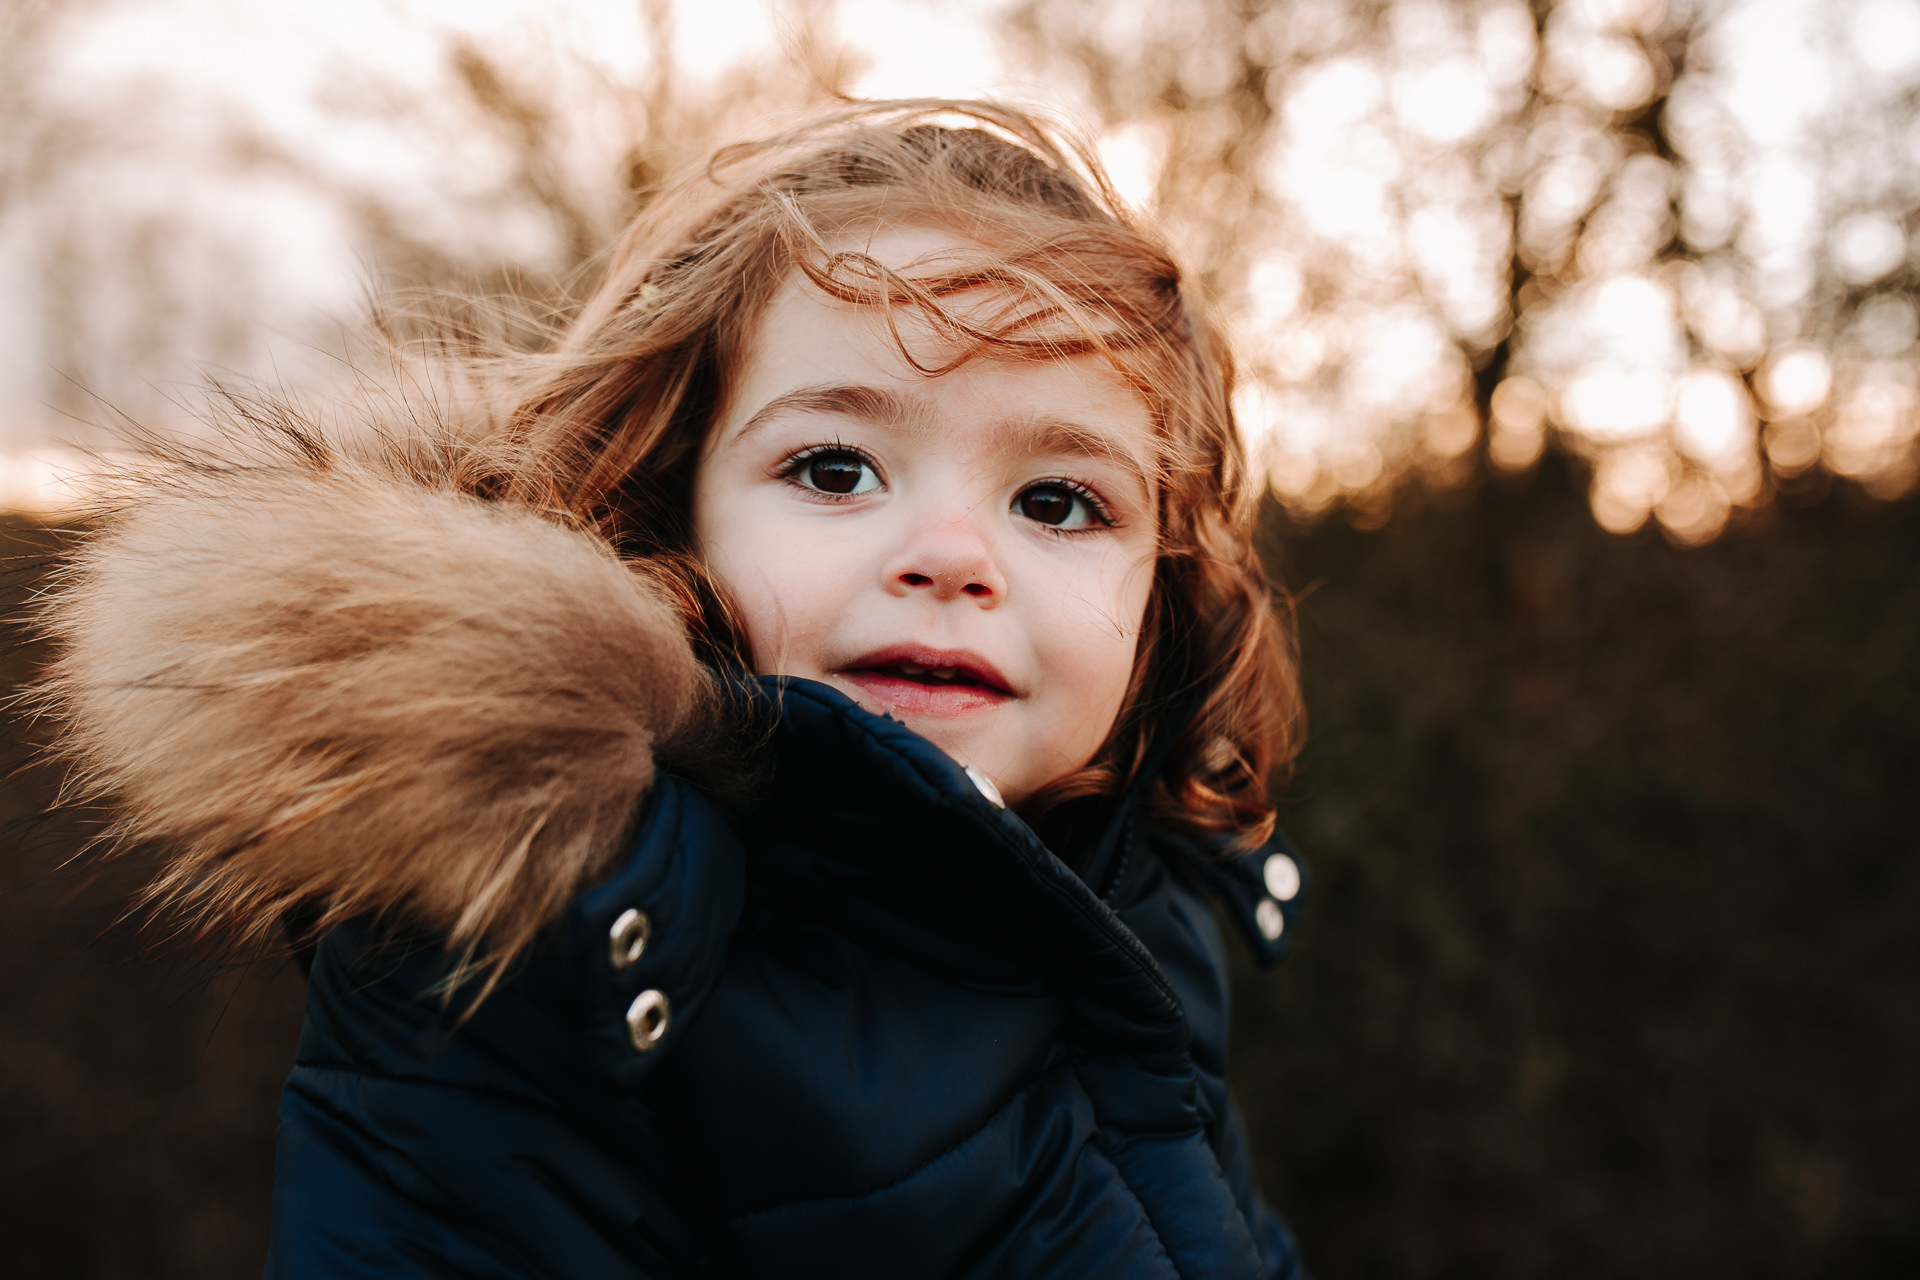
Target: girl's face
(970, 554)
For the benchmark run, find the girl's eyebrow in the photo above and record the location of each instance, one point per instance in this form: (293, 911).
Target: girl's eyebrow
(1071, 439)
(1037, 435)
(871, 404)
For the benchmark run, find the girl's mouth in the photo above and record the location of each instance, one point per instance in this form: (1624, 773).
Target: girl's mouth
(926, 682)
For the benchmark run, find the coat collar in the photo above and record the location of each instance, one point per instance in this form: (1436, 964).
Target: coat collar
(860, 807)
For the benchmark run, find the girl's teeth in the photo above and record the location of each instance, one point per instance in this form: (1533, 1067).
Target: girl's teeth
(932, 673)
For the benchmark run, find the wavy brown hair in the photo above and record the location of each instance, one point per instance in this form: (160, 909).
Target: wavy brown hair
(619, 409)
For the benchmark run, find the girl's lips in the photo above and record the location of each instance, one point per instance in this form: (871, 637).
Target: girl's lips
(913, 679)
(896, 692)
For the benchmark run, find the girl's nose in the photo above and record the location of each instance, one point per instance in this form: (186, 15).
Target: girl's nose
(949, 558)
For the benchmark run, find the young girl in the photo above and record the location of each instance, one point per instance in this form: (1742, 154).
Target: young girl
(753, 796)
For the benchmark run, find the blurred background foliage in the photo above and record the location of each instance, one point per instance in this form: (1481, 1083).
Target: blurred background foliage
(1579, 343)
(1671, 238)
(1611, 962)
(1674, 233)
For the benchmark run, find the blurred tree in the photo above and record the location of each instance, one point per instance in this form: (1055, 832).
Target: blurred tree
(1678, 232)
(576, 139)
(26, 29)
(165, 224)
(38, 135)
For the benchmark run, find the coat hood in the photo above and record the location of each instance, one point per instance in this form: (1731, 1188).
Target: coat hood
(328, 681)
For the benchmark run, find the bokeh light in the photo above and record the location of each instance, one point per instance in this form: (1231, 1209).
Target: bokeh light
(1669, 237)
(1666, 237)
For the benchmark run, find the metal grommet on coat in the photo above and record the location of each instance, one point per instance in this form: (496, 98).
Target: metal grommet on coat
(1268, 916)
(1282, 876)
(647, 1019)
(628, 938)
(984, 785)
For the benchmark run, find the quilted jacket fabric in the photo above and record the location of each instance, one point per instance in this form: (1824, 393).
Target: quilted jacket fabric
(903, 1039)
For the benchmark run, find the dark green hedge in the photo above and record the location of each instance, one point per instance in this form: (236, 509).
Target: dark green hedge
(1613, 967)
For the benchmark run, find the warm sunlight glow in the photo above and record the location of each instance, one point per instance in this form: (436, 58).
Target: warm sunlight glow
(47, 482)
(1387, 202)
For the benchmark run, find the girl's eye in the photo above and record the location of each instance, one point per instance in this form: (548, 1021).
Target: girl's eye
(1059, 506)
(836, 471)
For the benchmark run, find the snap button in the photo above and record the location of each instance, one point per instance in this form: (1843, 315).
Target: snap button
(647, 1019)
(1282, 875)
(628, 938)
(1272, 923)
(985, 786)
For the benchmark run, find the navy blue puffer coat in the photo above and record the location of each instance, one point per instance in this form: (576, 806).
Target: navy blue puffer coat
(877, 1029)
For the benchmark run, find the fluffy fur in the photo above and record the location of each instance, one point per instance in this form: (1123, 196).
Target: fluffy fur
(338, 685)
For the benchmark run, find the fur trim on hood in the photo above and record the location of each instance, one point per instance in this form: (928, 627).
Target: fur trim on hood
(336, 684)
